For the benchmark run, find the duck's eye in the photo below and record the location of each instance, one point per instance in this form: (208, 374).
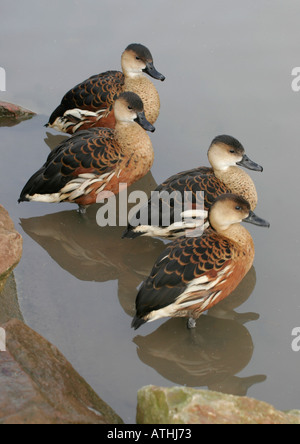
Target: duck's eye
(138, 58)
(238, 208)
(130, 108)
(232, 151)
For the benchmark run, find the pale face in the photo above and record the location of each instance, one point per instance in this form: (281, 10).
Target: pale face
(132, 64)
(222, 156)
(124, 112)
(228, 211)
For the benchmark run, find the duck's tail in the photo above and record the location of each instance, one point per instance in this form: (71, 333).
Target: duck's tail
(58, 112)
(137, 322)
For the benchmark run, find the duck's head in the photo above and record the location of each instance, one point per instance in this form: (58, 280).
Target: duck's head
(231, 209)
(137, 59)
(128, 108)
(226, 151)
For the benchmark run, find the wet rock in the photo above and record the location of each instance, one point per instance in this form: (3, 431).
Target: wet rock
(39, 386)
(181, 405)
(11, 114)
(11, 247)
(9, 304)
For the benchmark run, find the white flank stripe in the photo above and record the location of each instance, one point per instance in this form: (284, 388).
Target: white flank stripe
(87, 176)
(49, 198)
(203, 214)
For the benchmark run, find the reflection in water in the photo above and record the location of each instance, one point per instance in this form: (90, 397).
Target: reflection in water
(53, 140)
(212, 354)
(93, 253)
(12, 121)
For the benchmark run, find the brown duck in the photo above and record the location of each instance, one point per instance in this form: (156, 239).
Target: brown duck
(96, 160)
(90, 104)
(194, 274)
(226, 154)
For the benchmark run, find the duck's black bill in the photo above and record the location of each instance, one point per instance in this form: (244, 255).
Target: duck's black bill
(255, 220)
(141, 120)
(248, 163)
(150, 69)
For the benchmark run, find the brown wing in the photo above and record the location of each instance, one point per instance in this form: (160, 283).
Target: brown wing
(180, 267)
(91, 151)
(96, 93)
(184, 188)
(195, 180)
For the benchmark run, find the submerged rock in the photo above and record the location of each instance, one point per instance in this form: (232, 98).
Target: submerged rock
(181, 405)
(11, 114)
(11, 247)
(39, 386)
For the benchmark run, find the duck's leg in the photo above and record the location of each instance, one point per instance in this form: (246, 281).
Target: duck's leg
(191, 323)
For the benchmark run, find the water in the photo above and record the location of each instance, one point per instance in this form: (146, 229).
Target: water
(228, 67)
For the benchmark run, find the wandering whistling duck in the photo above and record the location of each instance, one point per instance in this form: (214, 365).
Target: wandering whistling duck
(90, 104)
(96, 160)
(225, 155)
(194, 274)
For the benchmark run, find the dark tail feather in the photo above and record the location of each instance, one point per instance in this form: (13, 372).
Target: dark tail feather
(23, 199)
(30, 186)
(137, 322)
(59, 112)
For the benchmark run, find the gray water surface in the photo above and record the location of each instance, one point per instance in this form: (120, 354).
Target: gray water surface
(228, 67)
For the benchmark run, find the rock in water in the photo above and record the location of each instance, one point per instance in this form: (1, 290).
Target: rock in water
(39, 386)
(11, 114)
(11, 246)
(182, 405)
(9, 303)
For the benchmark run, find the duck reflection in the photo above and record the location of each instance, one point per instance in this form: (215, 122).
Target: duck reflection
(211, 355)
(93, 253)
(53, 140)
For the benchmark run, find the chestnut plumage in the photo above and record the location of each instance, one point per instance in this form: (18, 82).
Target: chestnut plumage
(225, 155)
(194, 274)
(96, 160)
(90, 103)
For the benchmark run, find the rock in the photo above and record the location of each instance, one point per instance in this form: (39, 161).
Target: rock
(9, 301)
(39, 386)
(181, 405)
(11, 247)
(11, 114)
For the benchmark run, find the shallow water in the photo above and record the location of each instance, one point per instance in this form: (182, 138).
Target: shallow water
(228, 67)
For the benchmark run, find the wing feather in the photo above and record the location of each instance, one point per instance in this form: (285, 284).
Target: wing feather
(184, 268)
(88, 152)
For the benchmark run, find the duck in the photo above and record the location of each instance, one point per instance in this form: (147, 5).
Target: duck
(90, 104)
(193, 274)
(97, 160)
(226, 155)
